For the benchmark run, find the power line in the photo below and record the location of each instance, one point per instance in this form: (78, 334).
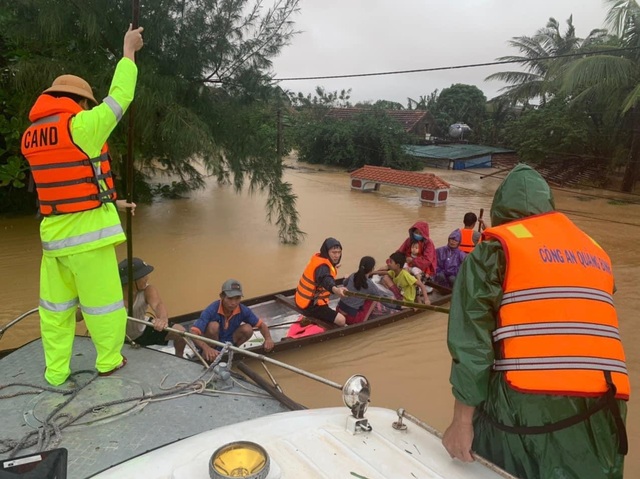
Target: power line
(457, 67)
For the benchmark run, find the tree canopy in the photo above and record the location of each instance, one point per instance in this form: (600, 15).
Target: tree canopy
(370, 137)
(458, 103)
(589, 101)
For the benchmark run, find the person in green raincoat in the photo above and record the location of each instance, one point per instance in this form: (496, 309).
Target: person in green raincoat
(491, 417)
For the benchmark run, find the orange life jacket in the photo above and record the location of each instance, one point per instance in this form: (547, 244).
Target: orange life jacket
(557, 330)
(466, 241)
(67, 180)
(308, 292)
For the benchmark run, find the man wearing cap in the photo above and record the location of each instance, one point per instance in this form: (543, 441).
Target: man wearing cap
(69, 159)
(227, 320)
(147, 295)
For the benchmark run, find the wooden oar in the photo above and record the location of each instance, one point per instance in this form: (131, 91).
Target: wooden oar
(479, 222)
(399, 302)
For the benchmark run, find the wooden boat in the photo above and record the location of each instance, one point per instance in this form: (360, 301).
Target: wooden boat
(279, 312)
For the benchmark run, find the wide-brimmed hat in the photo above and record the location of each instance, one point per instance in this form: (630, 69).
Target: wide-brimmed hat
(140, 270)
(72, 84)
(232, 288)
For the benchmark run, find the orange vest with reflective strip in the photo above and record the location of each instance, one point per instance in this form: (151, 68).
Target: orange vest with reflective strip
(557, 328)
(67, 180)
(466, 241)
(308, 292)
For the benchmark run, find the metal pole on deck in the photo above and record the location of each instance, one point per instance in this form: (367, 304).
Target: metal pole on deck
(135, 21)
(251, 354)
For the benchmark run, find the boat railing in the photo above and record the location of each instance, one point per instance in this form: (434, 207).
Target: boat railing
(251, 354)
(399, 425)
(17, 320)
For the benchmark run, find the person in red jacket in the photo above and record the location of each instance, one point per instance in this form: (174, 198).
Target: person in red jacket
(426, 259)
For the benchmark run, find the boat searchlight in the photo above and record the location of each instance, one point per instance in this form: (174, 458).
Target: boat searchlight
(355, 394)
(239, 459)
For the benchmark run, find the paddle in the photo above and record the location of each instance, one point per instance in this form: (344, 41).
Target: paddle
(480, 223)
(399, 302)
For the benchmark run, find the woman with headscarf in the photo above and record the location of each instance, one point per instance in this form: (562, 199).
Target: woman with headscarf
(449, 258)
(318, 281)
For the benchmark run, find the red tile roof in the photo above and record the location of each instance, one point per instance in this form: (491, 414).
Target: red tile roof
(381, 174)
(407, 118)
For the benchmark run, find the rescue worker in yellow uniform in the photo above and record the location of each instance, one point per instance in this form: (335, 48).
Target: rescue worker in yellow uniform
(538, 372)
(67, 152)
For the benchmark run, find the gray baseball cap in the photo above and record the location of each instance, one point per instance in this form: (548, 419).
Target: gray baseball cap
(232, 288)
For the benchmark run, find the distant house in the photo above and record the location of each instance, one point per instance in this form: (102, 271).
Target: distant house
(432, 190)
(419, 123)
(457, 156)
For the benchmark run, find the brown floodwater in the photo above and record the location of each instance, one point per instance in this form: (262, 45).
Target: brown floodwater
(196, 243)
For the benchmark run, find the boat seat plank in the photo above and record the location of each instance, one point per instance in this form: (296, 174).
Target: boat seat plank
(289, 302)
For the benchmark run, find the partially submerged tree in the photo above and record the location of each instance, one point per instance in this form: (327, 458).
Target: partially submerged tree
(203, 83)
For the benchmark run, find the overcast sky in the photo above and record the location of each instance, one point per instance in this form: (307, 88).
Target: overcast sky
(361, 36)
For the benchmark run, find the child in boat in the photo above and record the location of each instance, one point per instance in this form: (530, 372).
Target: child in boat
(400, 281)
(410, 261)
(144, 295)
(357, 310)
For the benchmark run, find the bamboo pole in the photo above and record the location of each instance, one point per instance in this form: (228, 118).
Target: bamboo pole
(399, 302)
(129, 227)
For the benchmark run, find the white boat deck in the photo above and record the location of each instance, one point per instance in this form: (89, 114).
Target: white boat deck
(312, 444)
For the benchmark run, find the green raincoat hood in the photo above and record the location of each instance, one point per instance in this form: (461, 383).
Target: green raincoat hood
(522, 193)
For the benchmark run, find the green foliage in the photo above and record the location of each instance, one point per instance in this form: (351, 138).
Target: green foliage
(542, 76)
(609, 83)
(13, 172)
(500, 115)
(204, 103)
(381, 104)
(458, 104)
(369, 138)
(14, 197)
(322, 99)
(553, 129)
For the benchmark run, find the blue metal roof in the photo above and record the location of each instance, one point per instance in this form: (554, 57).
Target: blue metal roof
(458, 151)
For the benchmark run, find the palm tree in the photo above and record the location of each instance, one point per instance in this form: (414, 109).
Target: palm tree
(539, 80)
(612, 81)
